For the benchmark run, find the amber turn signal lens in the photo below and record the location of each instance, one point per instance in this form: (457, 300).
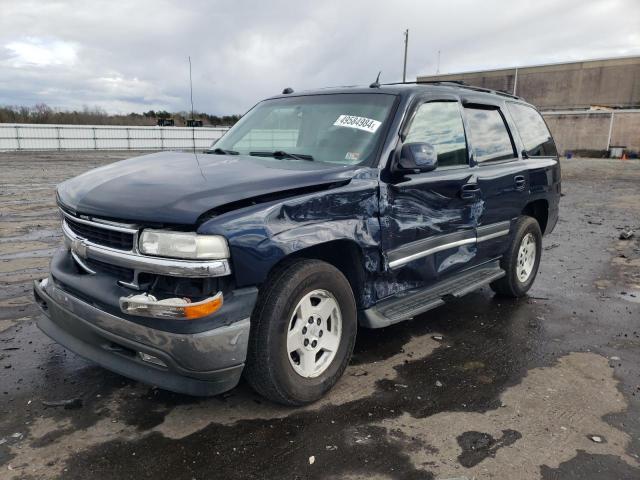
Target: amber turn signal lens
(146, 305)
(202, 309)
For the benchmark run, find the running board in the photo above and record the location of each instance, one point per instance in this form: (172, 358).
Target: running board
(409, 304)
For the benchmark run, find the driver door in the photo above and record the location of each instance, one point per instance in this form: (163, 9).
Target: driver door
(431, 217)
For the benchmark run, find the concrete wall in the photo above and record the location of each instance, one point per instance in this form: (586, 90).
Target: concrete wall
(626, 130)
(574, 87)
(579, 132)
(612, 82)
(588, 132)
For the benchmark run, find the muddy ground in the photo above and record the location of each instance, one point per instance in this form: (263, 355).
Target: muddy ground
(483, 387)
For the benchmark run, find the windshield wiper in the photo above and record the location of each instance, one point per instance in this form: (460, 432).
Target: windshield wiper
(222, 151)
(283, 154)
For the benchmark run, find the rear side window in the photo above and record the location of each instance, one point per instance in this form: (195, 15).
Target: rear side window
(489, 135)
(533, 131)
(440, 124)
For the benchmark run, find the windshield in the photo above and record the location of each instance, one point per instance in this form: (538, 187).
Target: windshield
(334, 128)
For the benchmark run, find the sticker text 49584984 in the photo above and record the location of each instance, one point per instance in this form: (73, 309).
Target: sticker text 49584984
(361, 123)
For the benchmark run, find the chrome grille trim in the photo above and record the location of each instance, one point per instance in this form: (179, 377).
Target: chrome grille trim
(119, 236)
(143, 263)
(106, 224)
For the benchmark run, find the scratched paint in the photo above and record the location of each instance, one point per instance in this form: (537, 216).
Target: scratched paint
(460, 256)
(364, 212)
(260, 236)
(358, 208)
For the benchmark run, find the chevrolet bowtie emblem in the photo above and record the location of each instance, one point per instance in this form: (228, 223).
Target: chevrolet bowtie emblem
(79, 248)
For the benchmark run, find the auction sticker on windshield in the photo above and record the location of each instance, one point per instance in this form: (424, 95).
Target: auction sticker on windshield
(361, 123)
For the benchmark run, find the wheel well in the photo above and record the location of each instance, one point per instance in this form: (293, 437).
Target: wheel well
(538, 209)
(345, 255)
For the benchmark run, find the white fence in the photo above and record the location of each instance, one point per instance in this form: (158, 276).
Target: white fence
(268, 139)
(25, 136)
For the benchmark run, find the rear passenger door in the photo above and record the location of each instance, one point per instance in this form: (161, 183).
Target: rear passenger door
(541, 158)
(501, 174)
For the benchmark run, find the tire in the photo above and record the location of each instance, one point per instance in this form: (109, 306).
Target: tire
(282, 375)
(515, 283)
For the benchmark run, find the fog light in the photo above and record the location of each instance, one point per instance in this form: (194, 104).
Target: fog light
(145, 357)
(145, 305)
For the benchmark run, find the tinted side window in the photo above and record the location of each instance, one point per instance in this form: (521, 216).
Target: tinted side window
(489, 135)
(440, 124)
(533, 131)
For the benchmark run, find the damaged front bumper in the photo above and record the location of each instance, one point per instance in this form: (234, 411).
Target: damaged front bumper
(203, 363)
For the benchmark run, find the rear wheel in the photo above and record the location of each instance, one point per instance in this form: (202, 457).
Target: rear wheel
(302, 333)
(521, 260)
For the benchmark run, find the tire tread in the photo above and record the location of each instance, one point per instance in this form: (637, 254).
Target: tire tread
(509, 285)
(259, 369)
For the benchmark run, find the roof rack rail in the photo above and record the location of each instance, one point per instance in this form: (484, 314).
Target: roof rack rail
(489, 90)
(457, 83)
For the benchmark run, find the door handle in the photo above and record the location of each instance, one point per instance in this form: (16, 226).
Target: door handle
(469, 191)
(520, 182)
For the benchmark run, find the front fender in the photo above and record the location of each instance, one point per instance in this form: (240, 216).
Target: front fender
(262, 235)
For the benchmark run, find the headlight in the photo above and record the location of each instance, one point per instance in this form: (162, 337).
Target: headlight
(187, 245)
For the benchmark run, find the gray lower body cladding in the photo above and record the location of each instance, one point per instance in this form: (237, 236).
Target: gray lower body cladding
(406, 305)
(204, 363)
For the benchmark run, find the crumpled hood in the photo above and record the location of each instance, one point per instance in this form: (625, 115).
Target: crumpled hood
(178, 187)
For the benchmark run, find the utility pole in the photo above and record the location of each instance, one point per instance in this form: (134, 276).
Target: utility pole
(191, 88)
(193, 120)
(438, 66)
(406, 45)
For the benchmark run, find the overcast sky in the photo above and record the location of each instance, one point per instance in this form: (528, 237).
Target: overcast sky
(132, 55)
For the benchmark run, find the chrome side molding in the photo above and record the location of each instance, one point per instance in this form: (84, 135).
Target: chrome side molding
(430, 251)
(428, 246)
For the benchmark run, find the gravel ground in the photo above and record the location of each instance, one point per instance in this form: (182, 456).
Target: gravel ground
(547, 386)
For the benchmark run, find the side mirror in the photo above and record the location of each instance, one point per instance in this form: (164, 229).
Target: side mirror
(418, 156)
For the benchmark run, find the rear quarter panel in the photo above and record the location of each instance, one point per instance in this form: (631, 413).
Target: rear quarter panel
(545, 182)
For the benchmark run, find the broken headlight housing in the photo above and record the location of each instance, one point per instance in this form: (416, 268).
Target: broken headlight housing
(185, 245)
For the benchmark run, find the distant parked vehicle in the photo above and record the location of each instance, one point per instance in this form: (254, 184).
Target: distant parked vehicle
(318, 212)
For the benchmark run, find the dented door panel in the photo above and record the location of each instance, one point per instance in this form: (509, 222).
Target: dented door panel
(429, 207)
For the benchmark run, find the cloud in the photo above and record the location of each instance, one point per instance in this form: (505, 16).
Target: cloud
(41, 52)
(132, 56)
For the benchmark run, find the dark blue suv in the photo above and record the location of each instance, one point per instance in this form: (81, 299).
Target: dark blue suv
(318, 212)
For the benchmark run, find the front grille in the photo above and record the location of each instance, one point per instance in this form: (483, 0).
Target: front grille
(122, 273)
(102, 236)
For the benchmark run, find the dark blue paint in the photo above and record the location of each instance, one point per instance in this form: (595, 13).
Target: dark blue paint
(369, 206)
(262, 235)
(177, 188)
(425, 205)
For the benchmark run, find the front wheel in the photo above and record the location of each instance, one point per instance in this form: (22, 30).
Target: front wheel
(521, 260)
(302, 333)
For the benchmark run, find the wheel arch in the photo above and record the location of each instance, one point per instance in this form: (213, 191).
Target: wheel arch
(538, 209)
(344, 254)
